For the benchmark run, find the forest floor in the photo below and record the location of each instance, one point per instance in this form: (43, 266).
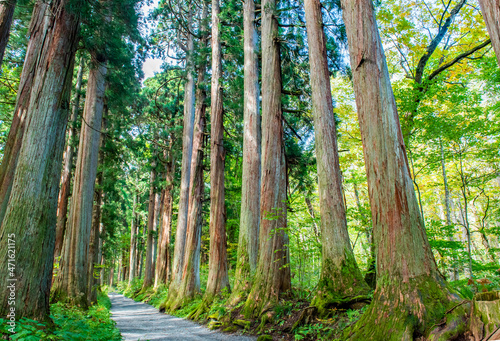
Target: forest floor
(140, 321)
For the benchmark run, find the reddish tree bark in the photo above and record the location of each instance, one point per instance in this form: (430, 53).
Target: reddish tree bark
(271, 271)
(341, 280)
(64, 192)
(7, 8)
(248, 242)
(187, 151)
(411, 298)
(218, 278)
(30, 209)
(162, 275)
(71, 284)
(148, 267)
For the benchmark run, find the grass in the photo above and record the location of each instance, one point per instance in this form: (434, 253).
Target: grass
(71, 323)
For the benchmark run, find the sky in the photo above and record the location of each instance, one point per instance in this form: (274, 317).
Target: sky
(151, 65)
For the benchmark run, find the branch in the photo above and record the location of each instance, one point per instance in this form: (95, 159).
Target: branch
(435, 42)
(457, 59)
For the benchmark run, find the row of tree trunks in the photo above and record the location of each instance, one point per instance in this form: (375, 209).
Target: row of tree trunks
(491, 15)
(248, 242)
(218, 278)
(64, 191)
(34, 158)
(7, 8)
(341, 279)
(271, 277)
(71, 284)
(187, 151)
(410, 295)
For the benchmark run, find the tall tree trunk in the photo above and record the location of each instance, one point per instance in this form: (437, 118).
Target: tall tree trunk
(341, 279)
(163, 260)
(148, 268)
(93, 256)
(40, 28)
(7, 8)
(187, 151)
(30, 211)
(71, 284)
(186, 284)
(447, 200)
(268, 282)
(411, 296)
(218, 278)
(156, 226)
(133, 242)
(248, 243)
(491, 15)
(62, 204)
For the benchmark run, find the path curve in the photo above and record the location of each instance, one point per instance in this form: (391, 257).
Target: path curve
(140, 321)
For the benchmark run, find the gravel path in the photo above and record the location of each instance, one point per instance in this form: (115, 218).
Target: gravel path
(140, 321)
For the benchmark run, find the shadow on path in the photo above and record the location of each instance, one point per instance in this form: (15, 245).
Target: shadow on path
(140, 321)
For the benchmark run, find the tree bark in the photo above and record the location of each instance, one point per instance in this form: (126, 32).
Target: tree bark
(71, 284)
(133, 242)
(30, 209)
(92, 286)
(218, 278)
(148, 268)
(64, 192)
(491, 15)
(411, 296)
(447, 200)
(248, 242)
(40, 28)
(187, 151)
(163, 260)
(271, 268)
(186, 284)
(7, 8)
(341, 279)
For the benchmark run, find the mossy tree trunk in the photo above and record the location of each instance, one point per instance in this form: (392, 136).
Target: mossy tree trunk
(187, 151)
(341, 279)
(271, 269)
(491, 15)
(186, 283)
(71, 284)
(64, 192)
(411, 297)
(218, 278)
(38, 31)
(248, 241)
(30, 212)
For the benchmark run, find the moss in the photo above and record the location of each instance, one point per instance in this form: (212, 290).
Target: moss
(340, 287)
(265, 338)
(242, 323)
(230, 329)
(423, 306)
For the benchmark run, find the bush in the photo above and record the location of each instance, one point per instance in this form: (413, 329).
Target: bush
(71, 323)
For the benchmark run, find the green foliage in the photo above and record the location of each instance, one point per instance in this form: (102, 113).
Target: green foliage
(70, 323)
